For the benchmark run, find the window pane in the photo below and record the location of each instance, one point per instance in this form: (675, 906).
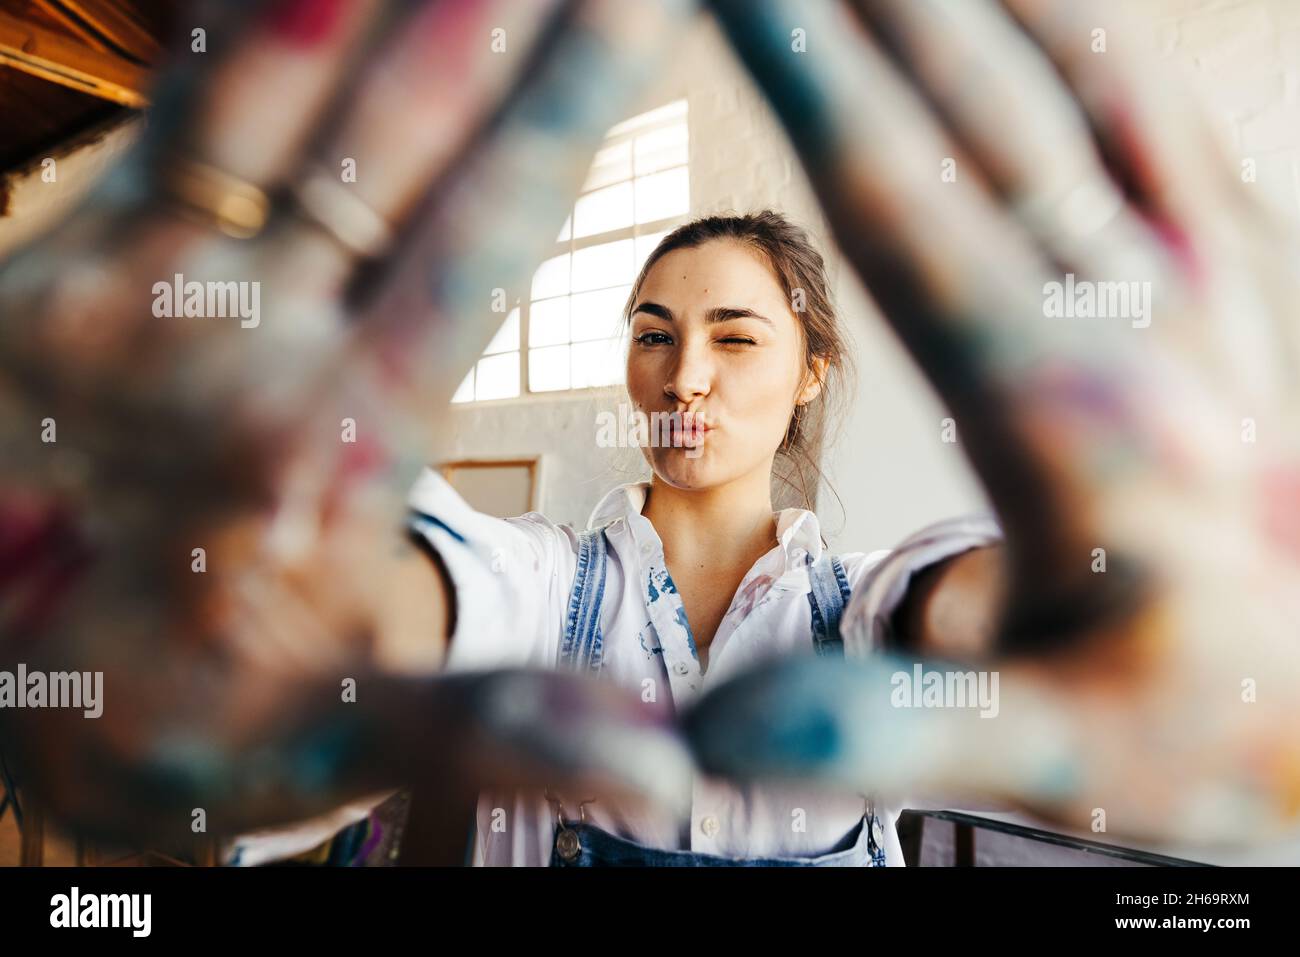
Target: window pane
(662, 195)
(565, 230)
(604, 210)
(645, 245)
(465, 393)
(661, 149)
(548, 322)
(599, 315)
(608, 264)
(611, 165)
(507, 337)
(548, 369)
(551, 278)
(599, 363)
(497, 377)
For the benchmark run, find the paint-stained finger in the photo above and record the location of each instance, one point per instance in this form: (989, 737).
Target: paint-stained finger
(497, 213)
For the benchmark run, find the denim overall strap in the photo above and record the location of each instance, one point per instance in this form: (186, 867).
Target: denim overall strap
(581, 647)
(829, 595)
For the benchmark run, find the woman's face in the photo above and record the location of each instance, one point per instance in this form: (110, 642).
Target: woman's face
(714, 336)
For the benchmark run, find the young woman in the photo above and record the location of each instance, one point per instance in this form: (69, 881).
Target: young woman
(685, 580)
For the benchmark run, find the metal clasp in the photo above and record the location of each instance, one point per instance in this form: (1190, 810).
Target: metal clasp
(875, 831)
(567, 842)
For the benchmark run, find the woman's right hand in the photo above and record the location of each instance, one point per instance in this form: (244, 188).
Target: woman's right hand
(237, 481)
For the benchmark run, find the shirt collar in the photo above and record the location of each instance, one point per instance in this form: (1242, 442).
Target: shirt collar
(798, 531)
(619, 502)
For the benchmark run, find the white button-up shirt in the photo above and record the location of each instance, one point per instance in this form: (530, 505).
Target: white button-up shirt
(513, 578)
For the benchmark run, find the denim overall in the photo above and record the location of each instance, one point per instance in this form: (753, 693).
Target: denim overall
(582, 844)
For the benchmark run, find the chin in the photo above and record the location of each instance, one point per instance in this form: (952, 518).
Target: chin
(680, 470)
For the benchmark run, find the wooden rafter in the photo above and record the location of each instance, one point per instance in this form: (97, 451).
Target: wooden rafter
(110, 21)
(70, 62)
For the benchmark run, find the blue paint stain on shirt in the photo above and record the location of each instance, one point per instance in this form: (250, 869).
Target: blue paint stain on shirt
(667, 587)
(686, 627)
(649, 652)
(659, 577)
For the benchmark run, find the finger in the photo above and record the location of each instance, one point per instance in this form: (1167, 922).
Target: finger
(1155, 140)
(881, 155)
(959, 280)
(973, 63)
(541, 728)
(241, 101)
(255, 753)
(1003, 99)
(496, 214)
(249, 111)
(846, 725)
(1063, 746)
(430, 88)
(1021, 121)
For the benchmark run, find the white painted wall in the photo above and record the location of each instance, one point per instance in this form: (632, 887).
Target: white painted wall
(36, 201)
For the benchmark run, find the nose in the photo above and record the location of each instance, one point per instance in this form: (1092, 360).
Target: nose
(691, 375)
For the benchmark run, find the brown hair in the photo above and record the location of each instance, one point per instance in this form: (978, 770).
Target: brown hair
(801, 271)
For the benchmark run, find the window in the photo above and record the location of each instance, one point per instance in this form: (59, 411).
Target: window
(567, 333)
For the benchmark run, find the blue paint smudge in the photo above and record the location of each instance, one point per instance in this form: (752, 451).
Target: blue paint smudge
(667, 587)
(810, 737)
(686, 627)
(649, 652)
(316, 761)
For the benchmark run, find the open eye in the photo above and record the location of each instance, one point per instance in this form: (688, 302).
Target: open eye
(652, 339)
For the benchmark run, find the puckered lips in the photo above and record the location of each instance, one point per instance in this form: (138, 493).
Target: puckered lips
(687, 430)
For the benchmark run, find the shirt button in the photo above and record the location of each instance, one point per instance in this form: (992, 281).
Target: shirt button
(709, 825)
(682, 668)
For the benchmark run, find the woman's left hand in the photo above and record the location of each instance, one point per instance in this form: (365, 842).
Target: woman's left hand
(1111, 318)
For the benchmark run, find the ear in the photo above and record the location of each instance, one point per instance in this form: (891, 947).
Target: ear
(813, 380)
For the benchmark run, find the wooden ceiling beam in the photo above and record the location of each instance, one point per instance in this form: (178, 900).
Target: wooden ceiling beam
(68, 62)
(113, 22)
(74, 26)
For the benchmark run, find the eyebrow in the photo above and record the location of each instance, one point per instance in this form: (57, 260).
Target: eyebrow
(716, 314)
